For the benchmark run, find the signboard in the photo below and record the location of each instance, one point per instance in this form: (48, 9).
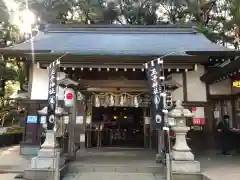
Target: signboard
(154, 71)
(216, 114)
(66, 119)
(43, 120)
(236, 81)
(52, 94)
(79, 120)
(32, 119)
(236, 84)
(198, 116)
(82, 137)
(147, 120)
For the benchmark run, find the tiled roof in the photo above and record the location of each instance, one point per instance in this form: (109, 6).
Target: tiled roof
(119, 40)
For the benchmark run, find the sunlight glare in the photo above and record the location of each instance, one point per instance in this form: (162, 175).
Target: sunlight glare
(24, 19)
(27, 20)
(27, 17)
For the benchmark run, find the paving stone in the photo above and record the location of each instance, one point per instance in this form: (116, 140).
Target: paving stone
(8, 176)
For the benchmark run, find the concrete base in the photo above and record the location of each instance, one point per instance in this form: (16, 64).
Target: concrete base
(189, 176)
(182, 155)
(186, 167)
(50, 152)
(43, 174)
(46, 162)
(44, 168)
(30, 150)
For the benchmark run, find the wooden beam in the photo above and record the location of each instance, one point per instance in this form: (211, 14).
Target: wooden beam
(118, 90)
(120, 66)
(95, 59)
(114, 83)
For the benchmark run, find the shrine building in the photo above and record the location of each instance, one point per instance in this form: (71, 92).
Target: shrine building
(106, 62)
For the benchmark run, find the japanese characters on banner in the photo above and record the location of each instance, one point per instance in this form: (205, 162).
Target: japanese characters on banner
(198, 116)
(154, 74)
(52, 94)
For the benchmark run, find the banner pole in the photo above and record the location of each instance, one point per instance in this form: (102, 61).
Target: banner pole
(167, 152)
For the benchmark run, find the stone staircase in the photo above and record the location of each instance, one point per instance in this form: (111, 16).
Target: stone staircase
(122, 164)
(112, 176)
(137, 168)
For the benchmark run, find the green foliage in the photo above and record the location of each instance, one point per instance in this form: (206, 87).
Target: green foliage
(138, 12)
(232, 24)
(7, 72)
(8, 34)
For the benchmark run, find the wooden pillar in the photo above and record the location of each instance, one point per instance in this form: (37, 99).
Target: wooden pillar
(233, 104)
(146, 128)
(185, 94)
(89, 123)
(80, 124)
(30, 80)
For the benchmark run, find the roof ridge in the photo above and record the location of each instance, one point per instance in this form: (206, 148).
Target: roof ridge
(119, 28)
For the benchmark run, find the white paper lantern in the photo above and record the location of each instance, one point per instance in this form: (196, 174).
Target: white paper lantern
(122, 101)
(111, 101)
(69, 97)
(97, 101)
(136, 104)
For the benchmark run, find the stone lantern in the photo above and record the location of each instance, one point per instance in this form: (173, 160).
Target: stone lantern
(182, 157)
(48, 159)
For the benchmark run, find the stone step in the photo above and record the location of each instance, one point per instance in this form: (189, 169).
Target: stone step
(79, 168)
(112, 175)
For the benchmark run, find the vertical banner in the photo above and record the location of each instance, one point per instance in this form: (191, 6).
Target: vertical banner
(52, 94)
(154, 75)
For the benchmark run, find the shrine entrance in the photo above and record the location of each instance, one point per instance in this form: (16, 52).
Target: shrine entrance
(118, 119)
(117, 127)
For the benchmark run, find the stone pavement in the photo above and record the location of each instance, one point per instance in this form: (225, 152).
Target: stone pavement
(11, 162)
(213, 166)
(217, 167)
(8, 176)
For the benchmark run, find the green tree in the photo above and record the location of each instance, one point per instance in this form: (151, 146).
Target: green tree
(72, 11)
(12, 72)
(142, 12)
(232, 22)
(216, 19)
(8, 75)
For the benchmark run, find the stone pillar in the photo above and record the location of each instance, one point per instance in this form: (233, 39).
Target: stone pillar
(182, 157)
